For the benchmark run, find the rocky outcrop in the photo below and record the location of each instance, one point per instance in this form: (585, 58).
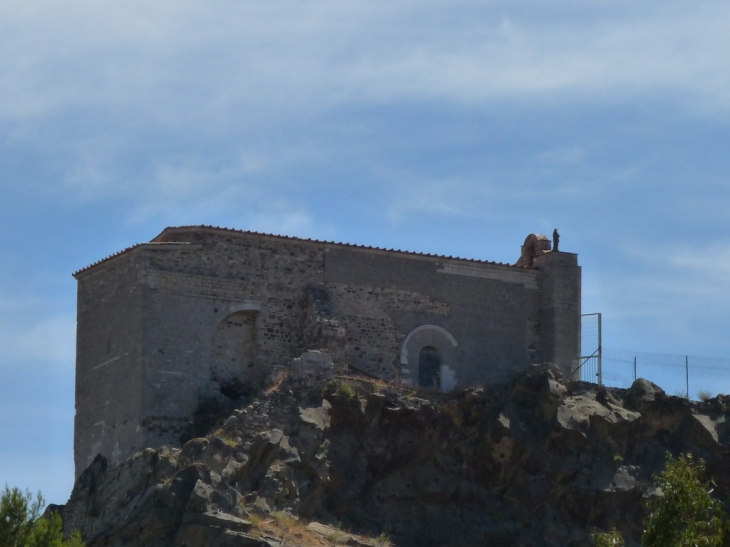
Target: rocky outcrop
(536, 462)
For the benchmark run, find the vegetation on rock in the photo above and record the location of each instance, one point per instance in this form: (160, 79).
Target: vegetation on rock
(685, 515)
(609, 539)
(21, 523)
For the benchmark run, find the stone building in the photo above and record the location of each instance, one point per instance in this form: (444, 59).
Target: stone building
(200, 311)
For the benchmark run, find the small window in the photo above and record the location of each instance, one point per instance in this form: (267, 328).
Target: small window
(429, 368)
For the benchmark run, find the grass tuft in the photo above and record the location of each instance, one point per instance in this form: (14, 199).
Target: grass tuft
(704, 395)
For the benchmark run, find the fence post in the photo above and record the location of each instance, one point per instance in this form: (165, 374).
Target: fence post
(600, 353)
(634, 368)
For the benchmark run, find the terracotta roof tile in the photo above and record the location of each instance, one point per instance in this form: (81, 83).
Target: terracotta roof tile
(159, 240)
(125, 251)
(321, 242)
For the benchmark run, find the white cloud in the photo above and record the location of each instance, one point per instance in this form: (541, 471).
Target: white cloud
(123, 92)
(702, 262)
(49, 340)
(36, 384)
(246, 183)
(711, 259)
(178, 62)
(665, 297)
(433, 197)
(281, 218)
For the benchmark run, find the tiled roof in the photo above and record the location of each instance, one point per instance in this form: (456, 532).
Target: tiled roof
(322, 242)
(159, 241)
(127, 250)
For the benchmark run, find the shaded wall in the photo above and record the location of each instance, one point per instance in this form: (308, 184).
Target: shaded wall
(109, 344)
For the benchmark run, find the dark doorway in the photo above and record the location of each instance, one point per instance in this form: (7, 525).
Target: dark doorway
(429, 368)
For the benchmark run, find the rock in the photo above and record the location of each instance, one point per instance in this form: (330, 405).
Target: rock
(312, 369)
(538, 461)
(318, 417)
(215, 454)
(706, 432)
(219, 519)
(644, 391)
(550, 398)
(193, 449)
(333, 535)
(200, 497)
(193, 535)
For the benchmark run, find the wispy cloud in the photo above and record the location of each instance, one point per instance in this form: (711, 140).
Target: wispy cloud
(667, 297)
(50, 340)
(31, 333)
(288, 58)
(282, 217)
(709, 259)
(434, 197)
(120, 95)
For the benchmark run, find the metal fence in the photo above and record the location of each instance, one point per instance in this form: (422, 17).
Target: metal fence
(590, 369)
(691, 376)
(589, 363)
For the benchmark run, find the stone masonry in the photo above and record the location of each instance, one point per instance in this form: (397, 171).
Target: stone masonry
(203, 311)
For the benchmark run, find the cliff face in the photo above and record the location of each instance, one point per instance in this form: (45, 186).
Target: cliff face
(538, 461)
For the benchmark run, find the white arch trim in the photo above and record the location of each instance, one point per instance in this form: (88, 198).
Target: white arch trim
(246, 305)
(441, 330)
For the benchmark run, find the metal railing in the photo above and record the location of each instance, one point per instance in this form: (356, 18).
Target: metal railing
(590, 362)
(692, 376)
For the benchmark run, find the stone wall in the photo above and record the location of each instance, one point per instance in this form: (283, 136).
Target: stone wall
(247, 284)
(492, 311)
(202, 311)
(109, 361)
(560, 290)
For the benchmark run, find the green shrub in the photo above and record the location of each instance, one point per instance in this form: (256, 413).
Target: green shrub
(685, 515)
(22, 526)
(609, 539)
(346, 391)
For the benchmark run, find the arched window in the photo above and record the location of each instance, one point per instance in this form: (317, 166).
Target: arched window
(429, 367)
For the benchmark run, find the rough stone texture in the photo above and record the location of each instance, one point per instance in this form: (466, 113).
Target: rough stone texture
(203, 312)
(538, 461)
(109, 362)
(535, 245)
(560, 306)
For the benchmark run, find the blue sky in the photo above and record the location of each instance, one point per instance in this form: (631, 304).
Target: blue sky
(454, 128)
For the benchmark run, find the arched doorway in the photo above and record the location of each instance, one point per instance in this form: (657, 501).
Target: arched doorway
(429, 358)
(429, 367)
(234, 349)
